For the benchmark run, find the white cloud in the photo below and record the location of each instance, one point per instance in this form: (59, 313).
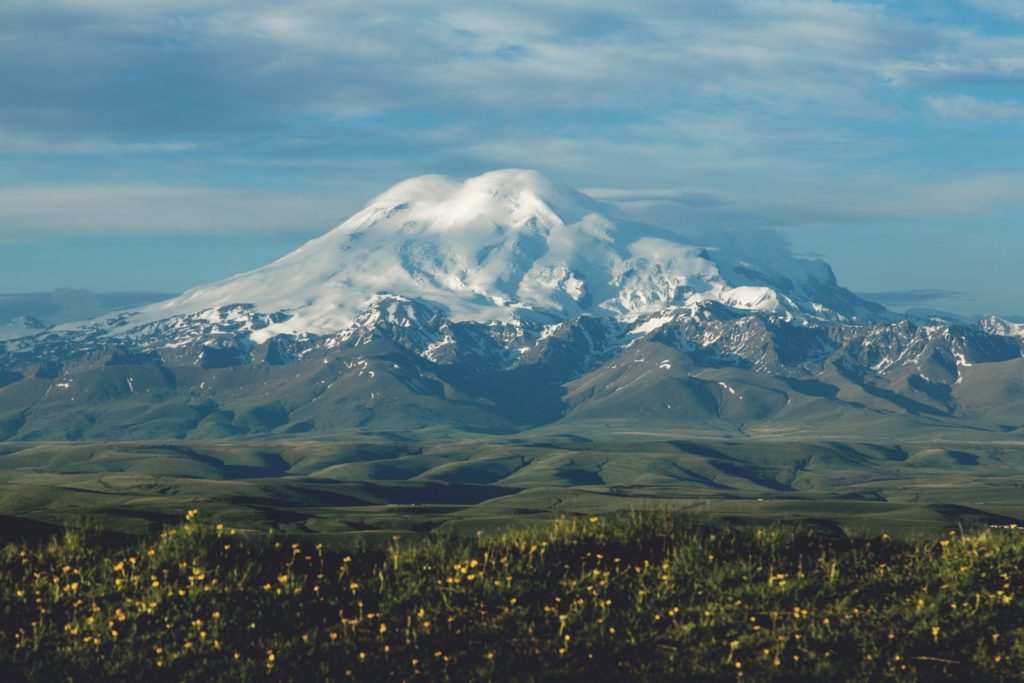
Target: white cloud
(972, 196)
(10, 142)
(756, 102)
(965, 107)
(147, 209)
(957, 54)
(1005, 8)
(457, 53)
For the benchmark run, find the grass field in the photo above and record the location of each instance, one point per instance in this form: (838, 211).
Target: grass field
(641, 596)
(331, 488)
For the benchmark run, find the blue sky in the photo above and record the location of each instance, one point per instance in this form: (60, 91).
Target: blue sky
(157, 145)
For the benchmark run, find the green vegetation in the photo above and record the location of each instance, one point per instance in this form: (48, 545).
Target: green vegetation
(649, 596)
(334, 488)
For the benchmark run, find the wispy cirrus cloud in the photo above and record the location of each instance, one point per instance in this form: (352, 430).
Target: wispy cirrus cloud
(967, 108)
(1004, 8)
(233, 68)
(83, 209)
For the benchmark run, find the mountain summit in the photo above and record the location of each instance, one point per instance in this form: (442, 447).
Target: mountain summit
(507, 245)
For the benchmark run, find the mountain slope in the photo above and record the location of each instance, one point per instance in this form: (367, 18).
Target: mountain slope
(508, 303)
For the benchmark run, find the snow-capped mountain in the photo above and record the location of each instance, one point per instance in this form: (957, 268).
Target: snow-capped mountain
(508, 302)
(504, 246)
(1004, 328)
(20, 326)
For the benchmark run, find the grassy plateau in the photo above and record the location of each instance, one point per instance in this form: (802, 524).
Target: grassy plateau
(628, 596)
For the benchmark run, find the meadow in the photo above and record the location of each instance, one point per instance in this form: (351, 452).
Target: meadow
(333, 488)
(632, 596)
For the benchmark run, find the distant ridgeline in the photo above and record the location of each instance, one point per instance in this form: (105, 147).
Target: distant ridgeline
(506, 303)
